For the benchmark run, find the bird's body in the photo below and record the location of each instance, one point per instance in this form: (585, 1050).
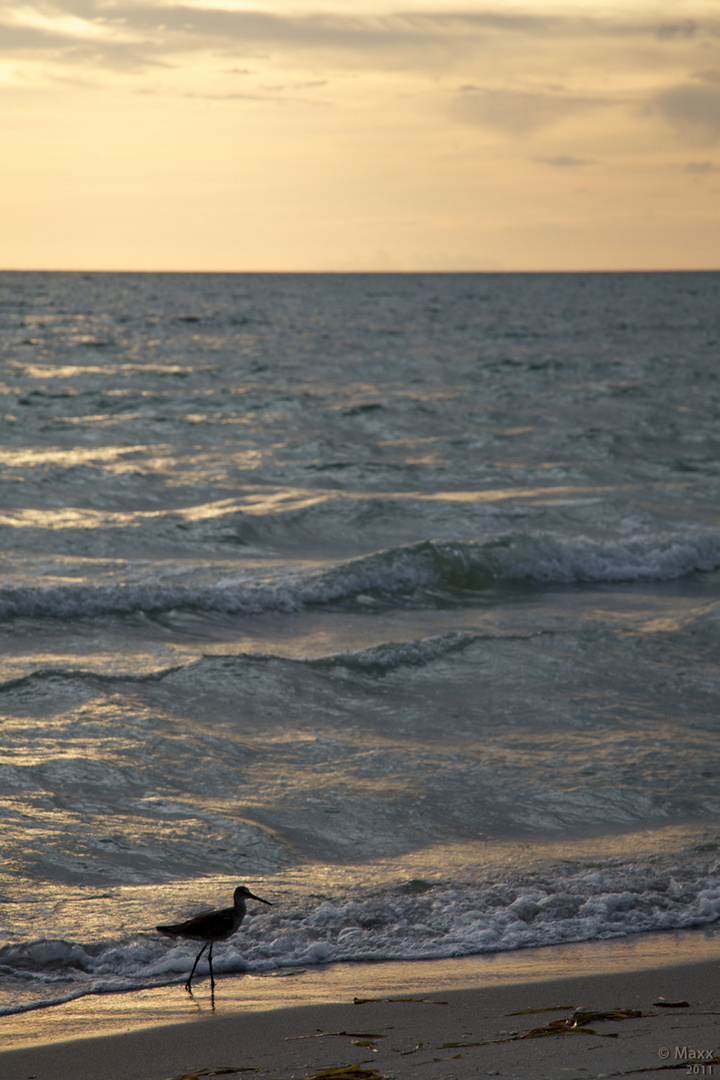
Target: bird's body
(213, 926)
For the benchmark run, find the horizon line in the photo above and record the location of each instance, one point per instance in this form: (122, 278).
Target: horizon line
(384, 270)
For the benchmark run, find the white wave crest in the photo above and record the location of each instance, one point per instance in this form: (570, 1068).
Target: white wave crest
(394, 573)
(419, 921)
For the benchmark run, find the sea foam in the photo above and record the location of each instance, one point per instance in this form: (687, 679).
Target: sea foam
(418, 921)
(452, 567)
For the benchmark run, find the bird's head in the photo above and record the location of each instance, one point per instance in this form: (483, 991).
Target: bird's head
(243, 893)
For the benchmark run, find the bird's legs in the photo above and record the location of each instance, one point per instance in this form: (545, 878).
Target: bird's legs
(187, 984)
(212, 980)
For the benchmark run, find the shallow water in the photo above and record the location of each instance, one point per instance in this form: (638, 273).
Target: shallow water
(393, 596)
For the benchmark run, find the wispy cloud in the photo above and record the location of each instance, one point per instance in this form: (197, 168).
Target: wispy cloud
(693, 109)
(520, 112)
(685, 28)
(701, 167)
(176, 27)
(564, 161)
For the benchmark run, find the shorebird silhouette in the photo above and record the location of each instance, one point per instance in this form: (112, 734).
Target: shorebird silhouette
(213, 926)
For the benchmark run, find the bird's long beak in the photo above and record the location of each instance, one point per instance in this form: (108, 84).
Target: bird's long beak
(260, 899)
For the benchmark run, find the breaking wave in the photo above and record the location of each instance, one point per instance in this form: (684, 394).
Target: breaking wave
(421, 570)
(419, 920)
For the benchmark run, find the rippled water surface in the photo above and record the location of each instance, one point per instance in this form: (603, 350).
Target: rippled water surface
(392, 596)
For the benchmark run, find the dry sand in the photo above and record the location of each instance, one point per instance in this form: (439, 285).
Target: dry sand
(468, 1003)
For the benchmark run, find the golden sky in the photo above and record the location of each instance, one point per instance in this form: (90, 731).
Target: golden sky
(360, 134)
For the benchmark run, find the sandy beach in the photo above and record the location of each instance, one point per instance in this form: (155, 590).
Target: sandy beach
(524, 1016)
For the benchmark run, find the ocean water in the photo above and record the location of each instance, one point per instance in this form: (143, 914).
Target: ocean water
(395, 597)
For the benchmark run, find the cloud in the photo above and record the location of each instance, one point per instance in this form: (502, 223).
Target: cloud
(189, 27)
(701, 167)
(564, 161)
(518, 112)
(693, 109)
(711, 76)
(686, 28)
(156, 27)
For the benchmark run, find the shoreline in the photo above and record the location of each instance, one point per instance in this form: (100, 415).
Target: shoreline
(267, 1026)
